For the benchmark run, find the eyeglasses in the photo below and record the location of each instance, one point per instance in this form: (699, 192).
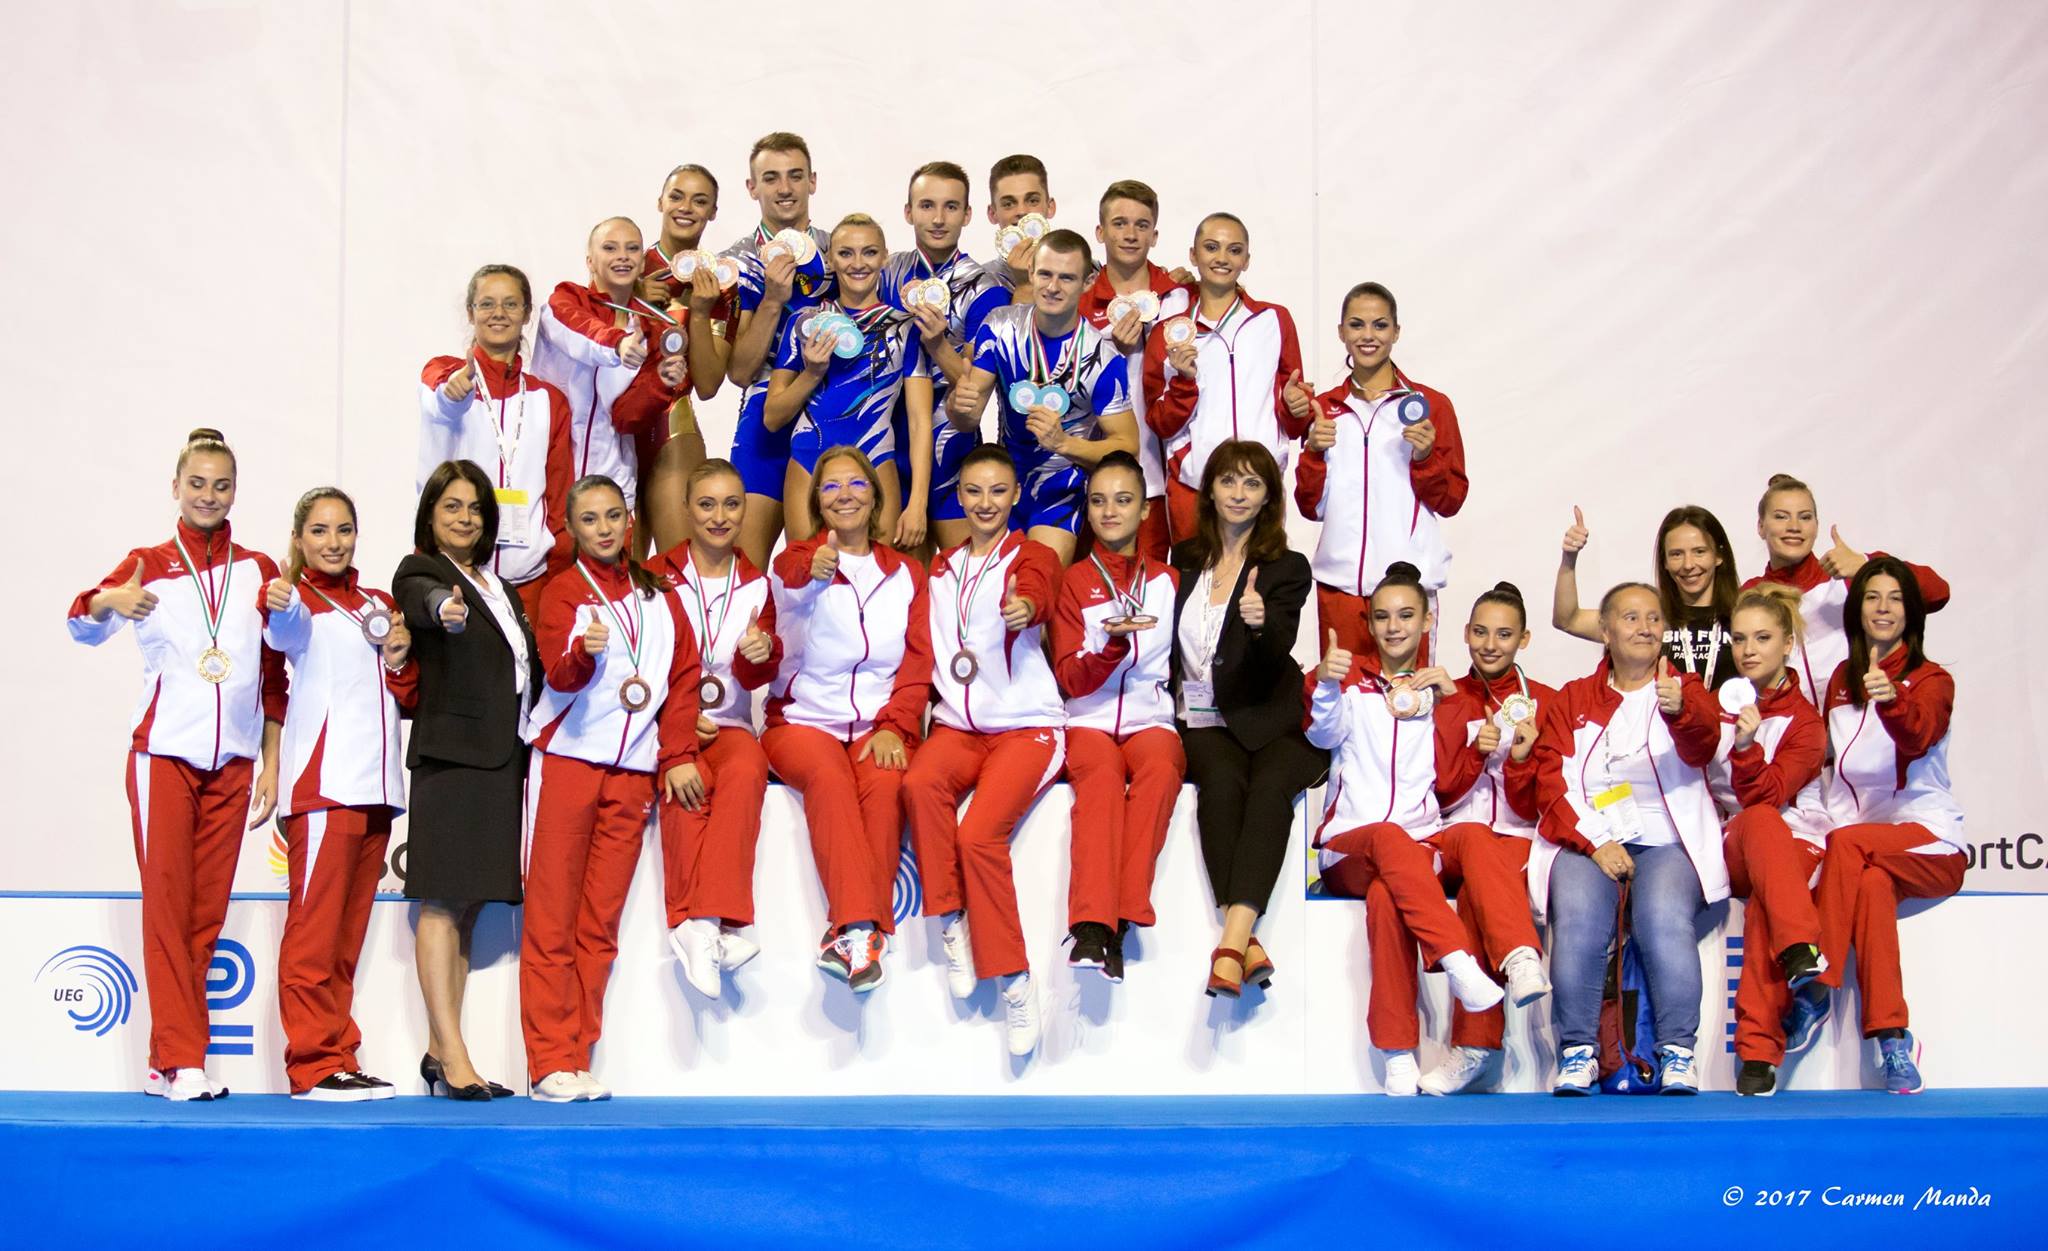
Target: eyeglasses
(859, 486)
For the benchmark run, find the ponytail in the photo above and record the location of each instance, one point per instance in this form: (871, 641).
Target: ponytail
(294, 559)
(643, 580)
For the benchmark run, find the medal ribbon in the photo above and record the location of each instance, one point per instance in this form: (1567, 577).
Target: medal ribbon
(724, 602)
(1133, 602)
(1042, 370)
(630, 633)
(1236, 302)
(1487, 687)
(351, 614)
(213, 606)
(642, 307)
(963, 598)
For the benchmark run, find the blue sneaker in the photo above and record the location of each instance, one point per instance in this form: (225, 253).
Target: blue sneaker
(1810, 1008)
(1578, 1072)
(1674, 1072)
(1899, 1056)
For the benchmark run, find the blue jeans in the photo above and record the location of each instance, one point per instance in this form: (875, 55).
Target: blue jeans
(1665, 902)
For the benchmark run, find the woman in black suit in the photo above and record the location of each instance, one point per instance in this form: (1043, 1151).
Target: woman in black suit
(1238, 694)
(479, 668)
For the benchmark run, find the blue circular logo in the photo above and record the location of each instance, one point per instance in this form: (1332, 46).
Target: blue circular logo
(101, 988)
(909, 893)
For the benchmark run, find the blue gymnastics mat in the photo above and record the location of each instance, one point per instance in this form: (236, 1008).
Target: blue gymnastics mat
(1818, 1169)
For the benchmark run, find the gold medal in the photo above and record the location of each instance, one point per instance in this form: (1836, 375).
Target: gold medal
(215, 665)
(1516, 709)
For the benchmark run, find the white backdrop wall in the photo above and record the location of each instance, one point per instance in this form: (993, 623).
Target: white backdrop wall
(1653, 255)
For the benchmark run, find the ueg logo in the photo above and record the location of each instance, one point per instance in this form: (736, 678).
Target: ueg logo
(908, 896)
(230, 980)
(95, 987)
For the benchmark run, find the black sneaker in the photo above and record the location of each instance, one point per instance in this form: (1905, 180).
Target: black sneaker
(337, 1088)
(1090, 945)
(1113, 964)
(1757, 1078)
(377, 1086)
(1801, 963)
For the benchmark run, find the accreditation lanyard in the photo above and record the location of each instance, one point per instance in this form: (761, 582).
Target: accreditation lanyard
(631, 633)
(963, 595)
(213, 605)
(508, 437)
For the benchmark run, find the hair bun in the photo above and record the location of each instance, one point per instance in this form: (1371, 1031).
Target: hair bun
(1507, 588)
(1401, 569)
(1783, 480)
(205, 434)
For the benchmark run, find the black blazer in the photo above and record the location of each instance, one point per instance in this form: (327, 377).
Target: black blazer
(468, 711)
(1258, 684)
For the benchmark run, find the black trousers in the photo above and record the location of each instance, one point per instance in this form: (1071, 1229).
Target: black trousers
(1244, 807)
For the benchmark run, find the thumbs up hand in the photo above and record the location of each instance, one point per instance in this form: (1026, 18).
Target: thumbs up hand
(1336, 661)
(1489, 737)
(1877, 685)
(129, 599)
(462, 383)
(595, 637)
(454, 613)
(1017, 611)
(1670, 690)
(633, 348)
(1322, 432)
(1841, 560)
(1575, 535)
(278, 595)
(1251, 605)
(825, 561)
(756, 644)
(1298, 398)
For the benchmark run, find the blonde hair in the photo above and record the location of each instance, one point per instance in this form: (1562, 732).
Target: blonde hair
(708, 468)
(294, 559)
(867, 467)
(1777, 599)
(852, 220)
(1780, 482)
(207, 439)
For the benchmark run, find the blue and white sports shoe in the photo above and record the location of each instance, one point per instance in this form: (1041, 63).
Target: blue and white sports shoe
(1900, 1057)
(1578, 1072)
(1810, 1009)
(1674, 1072)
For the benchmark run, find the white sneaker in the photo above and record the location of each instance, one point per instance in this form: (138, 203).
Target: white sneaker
(1524, 970)
(1469, 982)
(960, 978)
(156, 1083)
(1461, 1068)
(593, 1089)
(191, 1086)
(1400, 1078)
(1020, 1007)
(1674, 1072)
(1578, 1071)
(735, 949)
(695, 943)
(561, 1086)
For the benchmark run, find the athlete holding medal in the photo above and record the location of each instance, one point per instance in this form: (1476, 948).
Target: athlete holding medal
(343, 781)
(483, 407)
(1114, 663)
(1062, 385)
(1382, 465)
(212, 703)
(1383, 837)
(619, 707)
(707, 851)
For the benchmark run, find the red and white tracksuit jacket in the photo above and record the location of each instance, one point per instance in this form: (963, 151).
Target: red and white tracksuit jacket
(341, 780)
(855, 656)
(590, 791)
(1501, 793)
(999, 735)
(577, 350)
(1573, 726)
(1382, 839)
(708, 855)
(1821, 601)
(516, 427)
(340, 746)
(858, 660)
(191, 749)
(1378, 505)
(1897, 830)
(1235, 392)
(1173, 302)
(1773, 857)
(1124, 756)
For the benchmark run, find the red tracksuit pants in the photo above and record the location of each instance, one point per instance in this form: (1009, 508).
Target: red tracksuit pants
(1867, 870)
(1406, 908)
(335, 858)
(1124, 793)
(964, 861)
(188, 825)
(854, 809)
(1769, 867)
(587, 824)
(707, 856)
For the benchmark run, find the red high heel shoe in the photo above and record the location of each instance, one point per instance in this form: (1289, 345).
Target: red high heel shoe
(1219, 984)
(1258, 966)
